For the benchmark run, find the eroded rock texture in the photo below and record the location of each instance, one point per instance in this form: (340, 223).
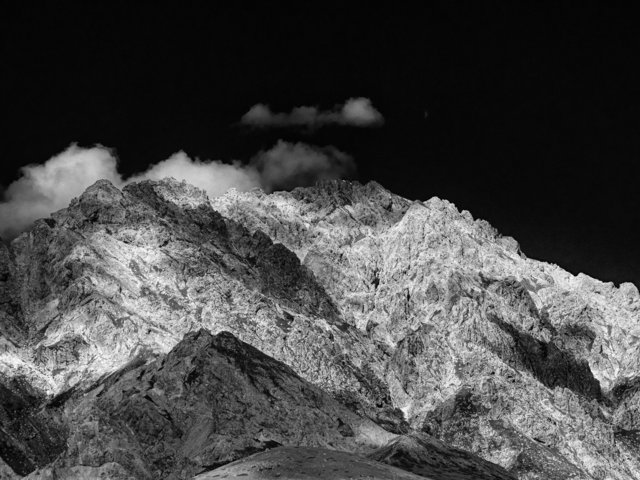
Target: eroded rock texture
(403, 317)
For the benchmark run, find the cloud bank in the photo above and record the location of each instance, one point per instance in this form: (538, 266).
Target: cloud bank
(43, 189)
(357, 112)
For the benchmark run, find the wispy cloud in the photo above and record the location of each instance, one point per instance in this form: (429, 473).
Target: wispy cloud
(357, 112)
(43, 189)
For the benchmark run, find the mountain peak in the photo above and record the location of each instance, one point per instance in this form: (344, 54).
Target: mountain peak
(101, 193)
(101, 186)
(170, 190)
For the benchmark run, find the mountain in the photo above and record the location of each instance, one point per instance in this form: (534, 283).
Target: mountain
(155, 333)
(508, 357)
(209, 401)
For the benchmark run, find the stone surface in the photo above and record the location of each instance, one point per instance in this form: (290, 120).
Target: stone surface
(412, 315)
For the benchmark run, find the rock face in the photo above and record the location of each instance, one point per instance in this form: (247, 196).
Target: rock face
(375, 316)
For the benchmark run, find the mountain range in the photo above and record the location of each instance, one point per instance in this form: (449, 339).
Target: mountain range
(333, 331)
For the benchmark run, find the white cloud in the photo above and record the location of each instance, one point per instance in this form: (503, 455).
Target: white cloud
(43, 189)
(288, 165)
(358, 112)
(214, 177)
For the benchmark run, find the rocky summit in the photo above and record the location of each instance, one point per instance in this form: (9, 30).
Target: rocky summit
(152, 332)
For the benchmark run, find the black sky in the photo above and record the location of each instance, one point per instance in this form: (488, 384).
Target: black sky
(533, 112)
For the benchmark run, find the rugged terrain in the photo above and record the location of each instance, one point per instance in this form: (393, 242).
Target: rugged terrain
(155, 333)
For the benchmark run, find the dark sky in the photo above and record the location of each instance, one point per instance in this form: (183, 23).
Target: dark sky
(533, 112)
